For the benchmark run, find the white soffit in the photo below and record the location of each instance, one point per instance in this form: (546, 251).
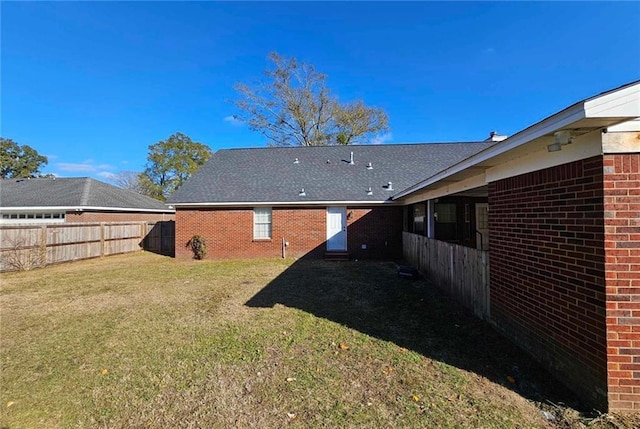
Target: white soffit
(628, 126)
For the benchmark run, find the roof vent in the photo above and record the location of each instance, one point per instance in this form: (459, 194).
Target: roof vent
(351, 159)
(369, 166)
(495, 137)
(302, 193)
(389, 186)
(328, 162)
(295, 161)
(369, 191)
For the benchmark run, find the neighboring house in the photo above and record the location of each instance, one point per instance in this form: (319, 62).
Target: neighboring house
(556, 206)
(81, 199)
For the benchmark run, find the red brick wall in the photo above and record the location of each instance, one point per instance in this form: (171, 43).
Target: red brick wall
(622, 252)
(229, 232)
(380, 229)
(547, 270)
(87, 216)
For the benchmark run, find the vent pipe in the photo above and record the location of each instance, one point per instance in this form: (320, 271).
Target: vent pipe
(351, 159)
(295, 161)
(369, 166)
(390, 186)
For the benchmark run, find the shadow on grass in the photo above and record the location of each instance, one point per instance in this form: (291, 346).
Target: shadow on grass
(370, 297)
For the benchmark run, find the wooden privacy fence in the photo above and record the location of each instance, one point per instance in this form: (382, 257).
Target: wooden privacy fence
(30, 246)
(460, 271)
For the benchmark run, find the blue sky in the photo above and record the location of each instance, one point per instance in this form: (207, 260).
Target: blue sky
(93, 84)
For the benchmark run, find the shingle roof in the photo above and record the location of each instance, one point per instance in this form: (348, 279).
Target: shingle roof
(324, 172)
(72, 192)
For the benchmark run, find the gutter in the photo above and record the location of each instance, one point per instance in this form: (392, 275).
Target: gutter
(80, 209)
(283, 203)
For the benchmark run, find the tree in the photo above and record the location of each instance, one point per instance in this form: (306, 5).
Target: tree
(295, 107)
(129, 180)
(19, 161)
(169, 163)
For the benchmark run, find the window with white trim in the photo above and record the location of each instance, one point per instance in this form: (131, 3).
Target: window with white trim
(262, 223)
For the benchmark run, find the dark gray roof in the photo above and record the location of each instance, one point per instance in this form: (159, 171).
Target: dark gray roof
(271, 174)
(72, 192)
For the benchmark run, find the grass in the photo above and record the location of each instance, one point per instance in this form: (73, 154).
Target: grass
(142, 340)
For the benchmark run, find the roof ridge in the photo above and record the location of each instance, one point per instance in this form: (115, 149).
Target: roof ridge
(353, 145)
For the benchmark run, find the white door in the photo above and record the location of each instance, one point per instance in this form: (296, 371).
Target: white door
(482, 226)
(337, 228)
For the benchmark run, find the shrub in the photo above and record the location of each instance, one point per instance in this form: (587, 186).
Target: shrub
(199, 247)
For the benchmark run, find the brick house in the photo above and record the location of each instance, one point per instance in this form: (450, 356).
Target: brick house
(77, 199)
(333, 200)
(556, 207)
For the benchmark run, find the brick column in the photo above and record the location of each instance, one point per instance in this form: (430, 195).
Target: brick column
(622, 265)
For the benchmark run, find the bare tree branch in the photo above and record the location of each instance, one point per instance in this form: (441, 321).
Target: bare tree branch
(294, 107)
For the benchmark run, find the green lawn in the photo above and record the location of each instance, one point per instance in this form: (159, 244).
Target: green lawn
(142, 340)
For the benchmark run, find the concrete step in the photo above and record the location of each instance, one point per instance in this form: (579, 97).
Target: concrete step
(336, 256)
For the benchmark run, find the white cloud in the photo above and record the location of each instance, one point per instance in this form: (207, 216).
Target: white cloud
(233, 121)
(74, 167)
(87, 166)
(382, 138)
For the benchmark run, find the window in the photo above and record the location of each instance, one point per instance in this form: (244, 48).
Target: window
(445, 213)
(482, 214)
(419, 219)
(262, 223)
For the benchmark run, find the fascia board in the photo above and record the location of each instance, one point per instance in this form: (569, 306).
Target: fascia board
(283, 203)
(624, 103)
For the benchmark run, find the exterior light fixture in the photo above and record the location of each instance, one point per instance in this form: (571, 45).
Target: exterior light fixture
(560, 138)
(554, 147)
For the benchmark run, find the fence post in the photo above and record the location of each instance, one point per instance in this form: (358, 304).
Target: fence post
(102, 226)
(43, 246)
(143, 228)
(486, 285)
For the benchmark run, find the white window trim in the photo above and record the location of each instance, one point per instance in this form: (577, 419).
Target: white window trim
(256, 212)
